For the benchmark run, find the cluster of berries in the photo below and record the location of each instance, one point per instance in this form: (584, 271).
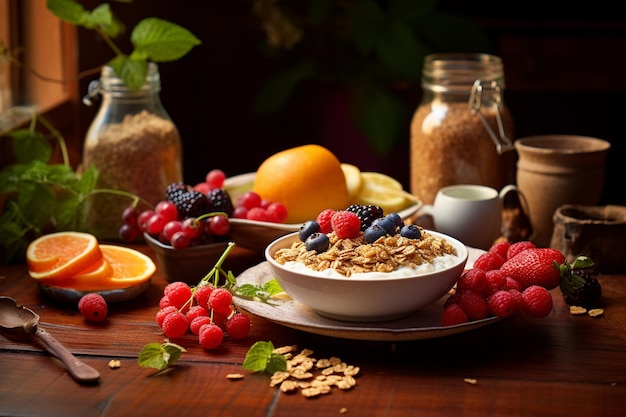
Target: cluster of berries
(252, 206)
(504, 280)
(350, 223)
(204, 310)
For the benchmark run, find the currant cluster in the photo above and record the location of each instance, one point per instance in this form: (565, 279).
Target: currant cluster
(252, 206)
(204, 310)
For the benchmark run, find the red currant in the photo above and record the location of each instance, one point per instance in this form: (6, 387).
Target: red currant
(129, 232)
(210, 336)
(220, 226)
(170, 228)
(250, 199)
(215, 178)
(167, 209)
(180, 240)
(129, 216)
(191, 227)
(155, 224)
(142, 219)
(240, 212)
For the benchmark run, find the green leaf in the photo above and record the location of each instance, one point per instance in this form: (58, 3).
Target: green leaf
(259, 292)
(261, 357)
(132, 72)
(159, 356)
(366, 20)
(102, 17)
(162, 40)
(381, 116)
(87, 181)
(400, 50)
(279, 88)
(30, 146)
(69, 11)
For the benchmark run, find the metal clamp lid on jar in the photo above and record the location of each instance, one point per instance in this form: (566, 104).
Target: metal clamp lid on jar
(501, 141)
(109, 82)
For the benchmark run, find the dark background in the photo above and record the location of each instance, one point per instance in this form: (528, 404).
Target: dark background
(563, 65)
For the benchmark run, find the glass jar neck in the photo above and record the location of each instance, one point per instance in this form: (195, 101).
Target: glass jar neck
(456, 73)
(112, 87)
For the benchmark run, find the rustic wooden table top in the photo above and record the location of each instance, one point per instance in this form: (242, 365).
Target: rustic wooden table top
(561, 365)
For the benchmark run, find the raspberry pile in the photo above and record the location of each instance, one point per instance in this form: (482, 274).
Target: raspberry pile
(350, 223)
(506, 279)
(198, 215)
(204, 310)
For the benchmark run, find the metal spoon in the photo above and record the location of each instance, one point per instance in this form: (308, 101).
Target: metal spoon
(22, 323)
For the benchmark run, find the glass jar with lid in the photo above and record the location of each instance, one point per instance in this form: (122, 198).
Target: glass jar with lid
(133, 144)
(461, 131)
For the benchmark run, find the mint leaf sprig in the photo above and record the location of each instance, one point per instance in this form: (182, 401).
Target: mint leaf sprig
(262, 358)
(153, 39)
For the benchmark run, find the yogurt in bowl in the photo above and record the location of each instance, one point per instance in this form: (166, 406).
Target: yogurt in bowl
(372, 295)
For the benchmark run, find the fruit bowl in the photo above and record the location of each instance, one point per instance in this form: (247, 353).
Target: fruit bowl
(189, 265)
(256, 235)
(366, 299)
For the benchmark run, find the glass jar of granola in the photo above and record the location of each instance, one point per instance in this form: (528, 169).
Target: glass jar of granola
(461, 131)
(135, 147)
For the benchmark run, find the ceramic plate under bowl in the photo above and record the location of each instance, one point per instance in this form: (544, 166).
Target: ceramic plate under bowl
(70, 295)
(189, 265)
(423, 324)
(255, 235)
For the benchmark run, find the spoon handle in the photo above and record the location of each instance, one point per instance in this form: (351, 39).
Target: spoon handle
(79, 370)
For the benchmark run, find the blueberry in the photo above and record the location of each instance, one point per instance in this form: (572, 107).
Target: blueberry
(307, 229)
(411, 231)
(374, 232)
(387, 224)
(397, 220)
(318, 242)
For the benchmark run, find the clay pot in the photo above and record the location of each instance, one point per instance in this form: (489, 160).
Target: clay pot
(598, 232)
(554, 170)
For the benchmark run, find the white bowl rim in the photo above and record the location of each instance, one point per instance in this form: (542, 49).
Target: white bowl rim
(463, 256)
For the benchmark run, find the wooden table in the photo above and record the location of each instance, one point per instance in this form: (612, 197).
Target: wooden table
(561, 365)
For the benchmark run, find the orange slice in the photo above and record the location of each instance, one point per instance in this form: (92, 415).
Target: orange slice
(129, 268)
(62, 255)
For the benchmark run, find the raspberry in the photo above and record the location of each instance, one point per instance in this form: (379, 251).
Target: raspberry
(238, 326)
(277, 212)
(475, 279)
(537, 301)
(160, 315)
(220, 301)
(501, 303)
(93, 307)
(202, 294)
(165, 302)
(198, 322)
(175, 325)
(518, 247)
(453, 315)
(346, 224)
(473, 303)
(324, 220)
(195, 311)
(496, 280)
(501, 248)
(512, 284)
(178, 293)
(519, 300)
(210, 336)
(488, 261)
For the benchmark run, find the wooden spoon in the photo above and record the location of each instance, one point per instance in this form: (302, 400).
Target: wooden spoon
(22, 323)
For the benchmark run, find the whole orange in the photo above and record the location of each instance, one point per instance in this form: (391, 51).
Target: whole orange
(306, 179)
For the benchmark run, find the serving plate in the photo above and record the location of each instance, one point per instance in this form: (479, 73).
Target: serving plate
(256, 235)
(423, 324)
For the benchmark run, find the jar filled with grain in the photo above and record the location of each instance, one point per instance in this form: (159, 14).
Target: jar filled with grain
(461, 131)
(135, 147)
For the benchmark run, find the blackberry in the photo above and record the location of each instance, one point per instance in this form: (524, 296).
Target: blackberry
(578, 287)
(174, 189)
(219, 200)
(366, 213)
(189, 203)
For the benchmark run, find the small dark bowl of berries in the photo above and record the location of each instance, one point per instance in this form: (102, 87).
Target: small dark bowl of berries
(189, 265)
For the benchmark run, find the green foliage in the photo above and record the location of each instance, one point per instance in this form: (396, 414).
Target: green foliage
(261, 292)
(261, 358)
(375, 48)
(153, 39)
(160, 355)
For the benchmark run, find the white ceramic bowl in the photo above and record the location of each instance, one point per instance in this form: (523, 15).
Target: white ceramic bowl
(366, 299)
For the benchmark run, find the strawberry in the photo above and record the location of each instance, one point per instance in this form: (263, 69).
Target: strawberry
(535, 267)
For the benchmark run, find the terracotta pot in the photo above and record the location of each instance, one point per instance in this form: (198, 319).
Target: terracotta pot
(554, 170)
(593, 231)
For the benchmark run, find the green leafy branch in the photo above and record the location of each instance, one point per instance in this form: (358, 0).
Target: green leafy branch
(42, 197)
(153, 39)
